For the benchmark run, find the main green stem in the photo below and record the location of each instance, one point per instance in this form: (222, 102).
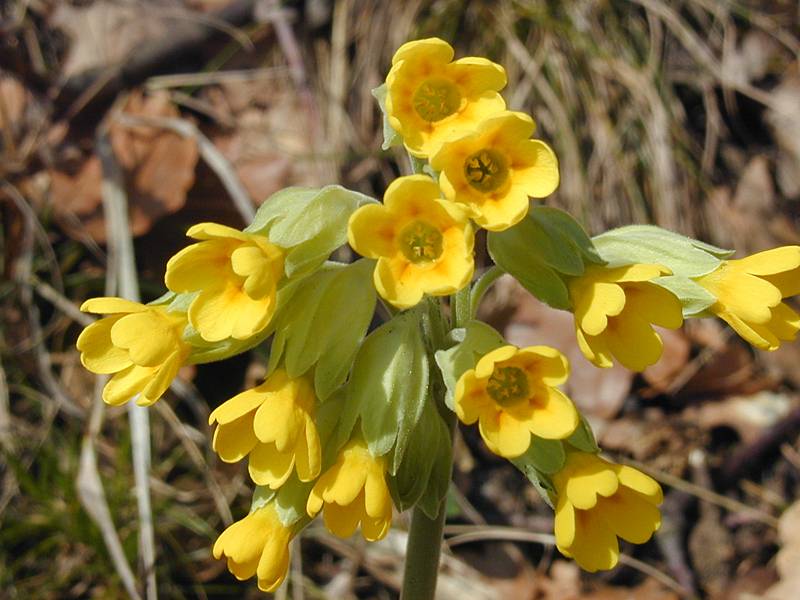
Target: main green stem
(425, 535)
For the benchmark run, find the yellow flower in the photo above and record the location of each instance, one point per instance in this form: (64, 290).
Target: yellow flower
(423, 245)
(273, 424)
(353, 491)
(749, 293)
(496, 168)
(236, 275)
(257, 545)
(429, 98)
(512, 393)
(614, 309)
(141, 345)
(598, 502)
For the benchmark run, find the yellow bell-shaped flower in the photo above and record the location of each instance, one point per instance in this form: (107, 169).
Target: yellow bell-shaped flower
(431, 98)
(352, 492)
(141, 345)
(511, 393)
(257, 545)
(597, 503)
(615, 309)
(236, 275)
(272, 424)
(423, 245)
(749, 294)
(496, 169)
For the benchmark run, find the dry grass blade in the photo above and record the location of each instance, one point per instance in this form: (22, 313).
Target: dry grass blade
(93, 498)
(119, 236)
(213, 157)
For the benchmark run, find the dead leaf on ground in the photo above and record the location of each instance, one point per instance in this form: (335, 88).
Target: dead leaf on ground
(674, 359)
(104, 32)
(787, 559)
(13, 98)
(783, 118)
(159, 168)
(749, 416)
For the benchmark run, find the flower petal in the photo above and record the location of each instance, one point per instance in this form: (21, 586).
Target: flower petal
(504, 435)
(371, 231)
(98, 353)
(554, 417)
(126, 384)
(535, 168)
(111, 306)
(234, 440)
(269, 466)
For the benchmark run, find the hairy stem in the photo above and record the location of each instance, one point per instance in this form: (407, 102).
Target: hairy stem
(425, 536)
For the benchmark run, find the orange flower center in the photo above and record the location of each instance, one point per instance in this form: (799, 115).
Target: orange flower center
(508, 385)
(436, 99)
(420, 242)
(486, 170)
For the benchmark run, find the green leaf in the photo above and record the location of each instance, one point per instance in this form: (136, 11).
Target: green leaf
(515, 257)
(390, 136)
(430, 444)
(290, 500)
(583, 438)
(684, 256)
(539, 480)
(693, 296)
(313, 330)
(474, 340)
(547, 456)
(539, 250)
(389, 383)
(310, 223)
(565, 244)
(262, 495)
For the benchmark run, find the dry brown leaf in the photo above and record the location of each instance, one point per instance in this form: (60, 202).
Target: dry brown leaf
(650, 589)
(159, 168)
(672, 362)
(787, 559)
(13, 98)
(749, 416)
(783, 119)
(103, 32)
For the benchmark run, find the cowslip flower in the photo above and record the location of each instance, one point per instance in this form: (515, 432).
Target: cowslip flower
(614, 311)
(598, 502)
(353, 491)
(423, 245)
(511, 393)
(236, 275)
(749, 293)
(494, 170)
(272, 424)
(257, 545)
(141, 345)
(430, 97)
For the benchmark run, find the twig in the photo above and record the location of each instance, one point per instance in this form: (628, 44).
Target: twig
(215, 78)
(115, 205)
(703, 493)
(470, 533)
(221, 503)
(213, 157)
(22, 277)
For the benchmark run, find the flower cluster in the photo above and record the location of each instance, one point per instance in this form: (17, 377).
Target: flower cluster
(347, 423)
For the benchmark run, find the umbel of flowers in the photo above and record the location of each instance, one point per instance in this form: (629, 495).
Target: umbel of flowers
(350, 422)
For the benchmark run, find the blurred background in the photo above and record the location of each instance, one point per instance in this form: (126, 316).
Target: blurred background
(681, 113)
